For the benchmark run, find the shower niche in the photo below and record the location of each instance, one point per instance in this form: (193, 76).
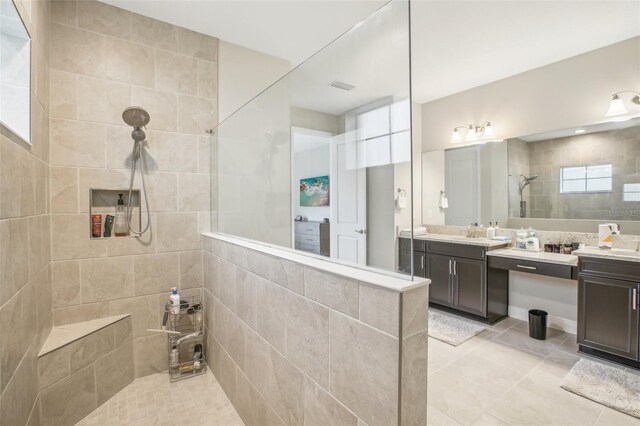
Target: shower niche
(103, 204)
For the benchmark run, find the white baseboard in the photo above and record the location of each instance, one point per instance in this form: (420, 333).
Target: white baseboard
(554, 322)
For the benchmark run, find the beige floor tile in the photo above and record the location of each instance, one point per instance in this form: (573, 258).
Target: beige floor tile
(153, 400)
(488, 420)
(610, 417)
(458, 399)
(493, 377)
(527, 373)
(436, 417)
(520, 339)
(506, 323)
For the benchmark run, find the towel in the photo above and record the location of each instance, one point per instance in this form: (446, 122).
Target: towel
(420, 230)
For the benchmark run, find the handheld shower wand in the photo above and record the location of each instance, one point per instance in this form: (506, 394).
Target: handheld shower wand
(137, 118)
(524, 182)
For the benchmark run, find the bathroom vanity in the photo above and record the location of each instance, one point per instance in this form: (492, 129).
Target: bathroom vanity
(471, 275)
(461, 279)
(608, 304)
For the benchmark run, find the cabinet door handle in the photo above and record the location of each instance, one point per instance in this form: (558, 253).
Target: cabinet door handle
(533, 268)
(455, 266)
(634, 296)
(422, 261)
(449, 266)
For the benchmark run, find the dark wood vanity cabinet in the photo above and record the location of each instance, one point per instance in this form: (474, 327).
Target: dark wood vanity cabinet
(460, 277)
(438, 269)
(608, 319)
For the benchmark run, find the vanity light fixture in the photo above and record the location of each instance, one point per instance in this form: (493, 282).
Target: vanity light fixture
(616, 106)
(473, 133)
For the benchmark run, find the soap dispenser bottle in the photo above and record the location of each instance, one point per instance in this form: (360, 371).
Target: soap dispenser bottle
(120, 223)
(491, 232)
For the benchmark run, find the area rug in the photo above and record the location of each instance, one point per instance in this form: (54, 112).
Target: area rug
(613, 387)
(450, 329)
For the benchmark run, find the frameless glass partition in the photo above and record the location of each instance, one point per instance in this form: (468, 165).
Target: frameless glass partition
(321, 161)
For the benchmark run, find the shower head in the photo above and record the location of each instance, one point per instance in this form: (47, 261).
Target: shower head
(136, 117)
(524, 181)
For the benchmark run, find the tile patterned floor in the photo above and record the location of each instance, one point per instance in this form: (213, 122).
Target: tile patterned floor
(153, 400)
(503, 377)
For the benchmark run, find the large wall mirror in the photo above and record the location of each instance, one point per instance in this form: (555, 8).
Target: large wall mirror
(15, 72)
(554, 146)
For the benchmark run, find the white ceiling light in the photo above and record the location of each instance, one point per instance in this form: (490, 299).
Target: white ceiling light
(474, 133)
(616, 106)
(472, 136)
(455, 138)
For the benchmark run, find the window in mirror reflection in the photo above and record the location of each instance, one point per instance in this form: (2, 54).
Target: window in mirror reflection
(594, 178)
(15, 70)
(631, 192)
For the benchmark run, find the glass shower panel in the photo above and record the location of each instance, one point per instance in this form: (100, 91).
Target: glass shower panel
(315, 162)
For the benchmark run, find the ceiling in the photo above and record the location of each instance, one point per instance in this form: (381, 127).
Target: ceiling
(456, 45)
(288, 29)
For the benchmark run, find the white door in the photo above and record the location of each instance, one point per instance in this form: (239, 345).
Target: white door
(348, 189)
(462, 186)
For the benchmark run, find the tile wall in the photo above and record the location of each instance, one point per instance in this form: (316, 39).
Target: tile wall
(25, 251)
(105, 59)
(292, 344)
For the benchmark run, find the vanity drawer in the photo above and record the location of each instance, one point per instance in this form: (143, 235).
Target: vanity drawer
(308, 239)
(458, 250)
(310, 248)
(610, 268)
(310, 228)
(531, 267)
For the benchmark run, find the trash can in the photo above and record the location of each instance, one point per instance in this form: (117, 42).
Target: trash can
(538, 324)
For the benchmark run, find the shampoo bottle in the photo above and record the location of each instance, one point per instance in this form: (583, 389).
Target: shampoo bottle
(120, 223)
(174, 301)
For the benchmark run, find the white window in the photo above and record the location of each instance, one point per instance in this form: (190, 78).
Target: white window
(382, 135)
(594, 178)
(631, 192)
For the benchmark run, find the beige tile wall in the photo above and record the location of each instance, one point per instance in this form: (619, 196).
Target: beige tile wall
(295, 345)
(25, 250)
(105, 59)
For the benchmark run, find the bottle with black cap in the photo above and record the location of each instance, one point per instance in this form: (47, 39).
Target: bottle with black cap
(120, 224)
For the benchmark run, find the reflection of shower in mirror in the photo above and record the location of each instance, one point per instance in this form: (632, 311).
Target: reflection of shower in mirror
(524, 182)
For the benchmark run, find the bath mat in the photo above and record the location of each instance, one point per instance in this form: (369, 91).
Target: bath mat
(452, 330)
(613, 387)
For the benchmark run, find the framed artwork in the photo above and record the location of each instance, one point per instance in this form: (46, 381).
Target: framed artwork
(314, 192)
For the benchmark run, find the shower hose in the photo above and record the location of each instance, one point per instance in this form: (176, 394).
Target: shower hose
(137, 155)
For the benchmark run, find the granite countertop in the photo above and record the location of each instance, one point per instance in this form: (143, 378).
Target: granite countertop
(538, 256)
(462, 240)
(613, 254)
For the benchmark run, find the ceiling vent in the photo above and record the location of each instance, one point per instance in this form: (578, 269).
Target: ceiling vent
(342, 86)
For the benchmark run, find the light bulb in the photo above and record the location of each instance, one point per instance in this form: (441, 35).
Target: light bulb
(455, 138)
(488, 132)
(471, 134)
(616, 107)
